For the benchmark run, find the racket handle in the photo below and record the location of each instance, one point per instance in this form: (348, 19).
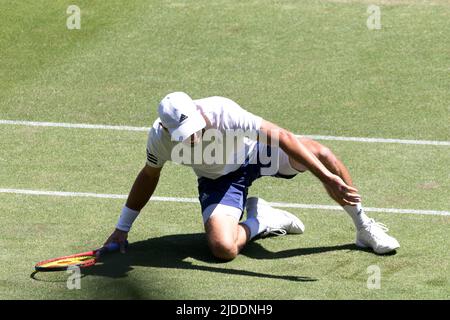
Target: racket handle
(111, 247)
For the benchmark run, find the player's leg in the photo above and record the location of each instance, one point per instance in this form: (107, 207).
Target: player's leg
(332, 163)
(262, 219)
(225, 236)
(369, 233)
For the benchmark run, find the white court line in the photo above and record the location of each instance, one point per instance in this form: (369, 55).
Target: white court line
(194, 200)
(380, 140)
(130, 128)
(72, 125)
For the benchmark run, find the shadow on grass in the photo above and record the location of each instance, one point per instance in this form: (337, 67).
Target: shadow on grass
(256, 251)
(172, 251)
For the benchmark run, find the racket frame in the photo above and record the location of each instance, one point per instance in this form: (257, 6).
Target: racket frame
(111, 247)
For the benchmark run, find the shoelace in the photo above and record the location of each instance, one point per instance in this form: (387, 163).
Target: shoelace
(275, 232)
(373, 223)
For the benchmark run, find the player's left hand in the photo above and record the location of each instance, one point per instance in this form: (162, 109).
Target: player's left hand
(347, 194)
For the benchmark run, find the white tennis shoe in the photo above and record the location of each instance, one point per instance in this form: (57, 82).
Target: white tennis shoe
(278, 222)
(373, 235)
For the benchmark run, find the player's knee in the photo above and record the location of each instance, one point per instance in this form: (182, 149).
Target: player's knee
(224, 250)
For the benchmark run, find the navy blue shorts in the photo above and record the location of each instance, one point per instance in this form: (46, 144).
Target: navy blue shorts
(232, 188)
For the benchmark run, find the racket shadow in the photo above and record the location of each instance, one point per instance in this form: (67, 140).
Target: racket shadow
(173, 252)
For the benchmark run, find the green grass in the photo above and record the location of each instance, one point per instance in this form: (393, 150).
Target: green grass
(316, 63)
(311, 66)
(169, 259)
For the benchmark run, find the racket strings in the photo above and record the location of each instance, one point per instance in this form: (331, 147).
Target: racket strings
(74, 260)
(70, 261)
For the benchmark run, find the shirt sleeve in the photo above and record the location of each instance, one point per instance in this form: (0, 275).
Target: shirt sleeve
(235, 117)
(156, 153)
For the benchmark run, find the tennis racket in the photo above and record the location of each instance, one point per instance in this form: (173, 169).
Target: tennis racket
(81, 260)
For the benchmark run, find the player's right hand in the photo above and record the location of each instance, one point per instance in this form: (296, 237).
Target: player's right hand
(119, 237)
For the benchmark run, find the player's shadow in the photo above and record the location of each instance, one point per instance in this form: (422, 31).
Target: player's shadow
(256, 251)
(181, 251)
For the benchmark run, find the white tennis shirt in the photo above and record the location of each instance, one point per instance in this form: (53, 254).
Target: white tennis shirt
(226, 117)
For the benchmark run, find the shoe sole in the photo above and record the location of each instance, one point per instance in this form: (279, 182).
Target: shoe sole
(383, 251)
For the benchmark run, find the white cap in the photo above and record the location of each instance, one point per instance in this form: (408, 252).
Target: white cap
(179, 114)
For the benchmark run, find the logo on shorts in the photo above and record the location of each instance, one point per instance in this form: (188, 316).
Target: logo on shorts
(204, 197)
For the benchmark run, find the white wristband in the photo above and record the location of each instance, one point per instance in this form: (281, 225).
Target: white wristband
(126, 219)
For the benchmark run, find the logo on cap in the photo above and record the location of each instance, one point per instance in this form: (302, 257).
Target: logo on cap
(182, 118)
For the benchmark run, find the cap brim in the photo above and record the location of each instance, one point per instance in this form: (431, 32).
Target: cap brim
(194, 123)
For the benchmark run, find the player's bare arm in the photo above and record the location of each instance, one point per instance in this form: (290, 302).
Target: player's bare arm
(143, 188)
(141, 191)
(296, 150)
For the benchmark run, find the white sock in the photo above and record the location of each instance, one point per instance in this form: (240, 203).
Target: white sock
(357, 214)
(254, 226)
